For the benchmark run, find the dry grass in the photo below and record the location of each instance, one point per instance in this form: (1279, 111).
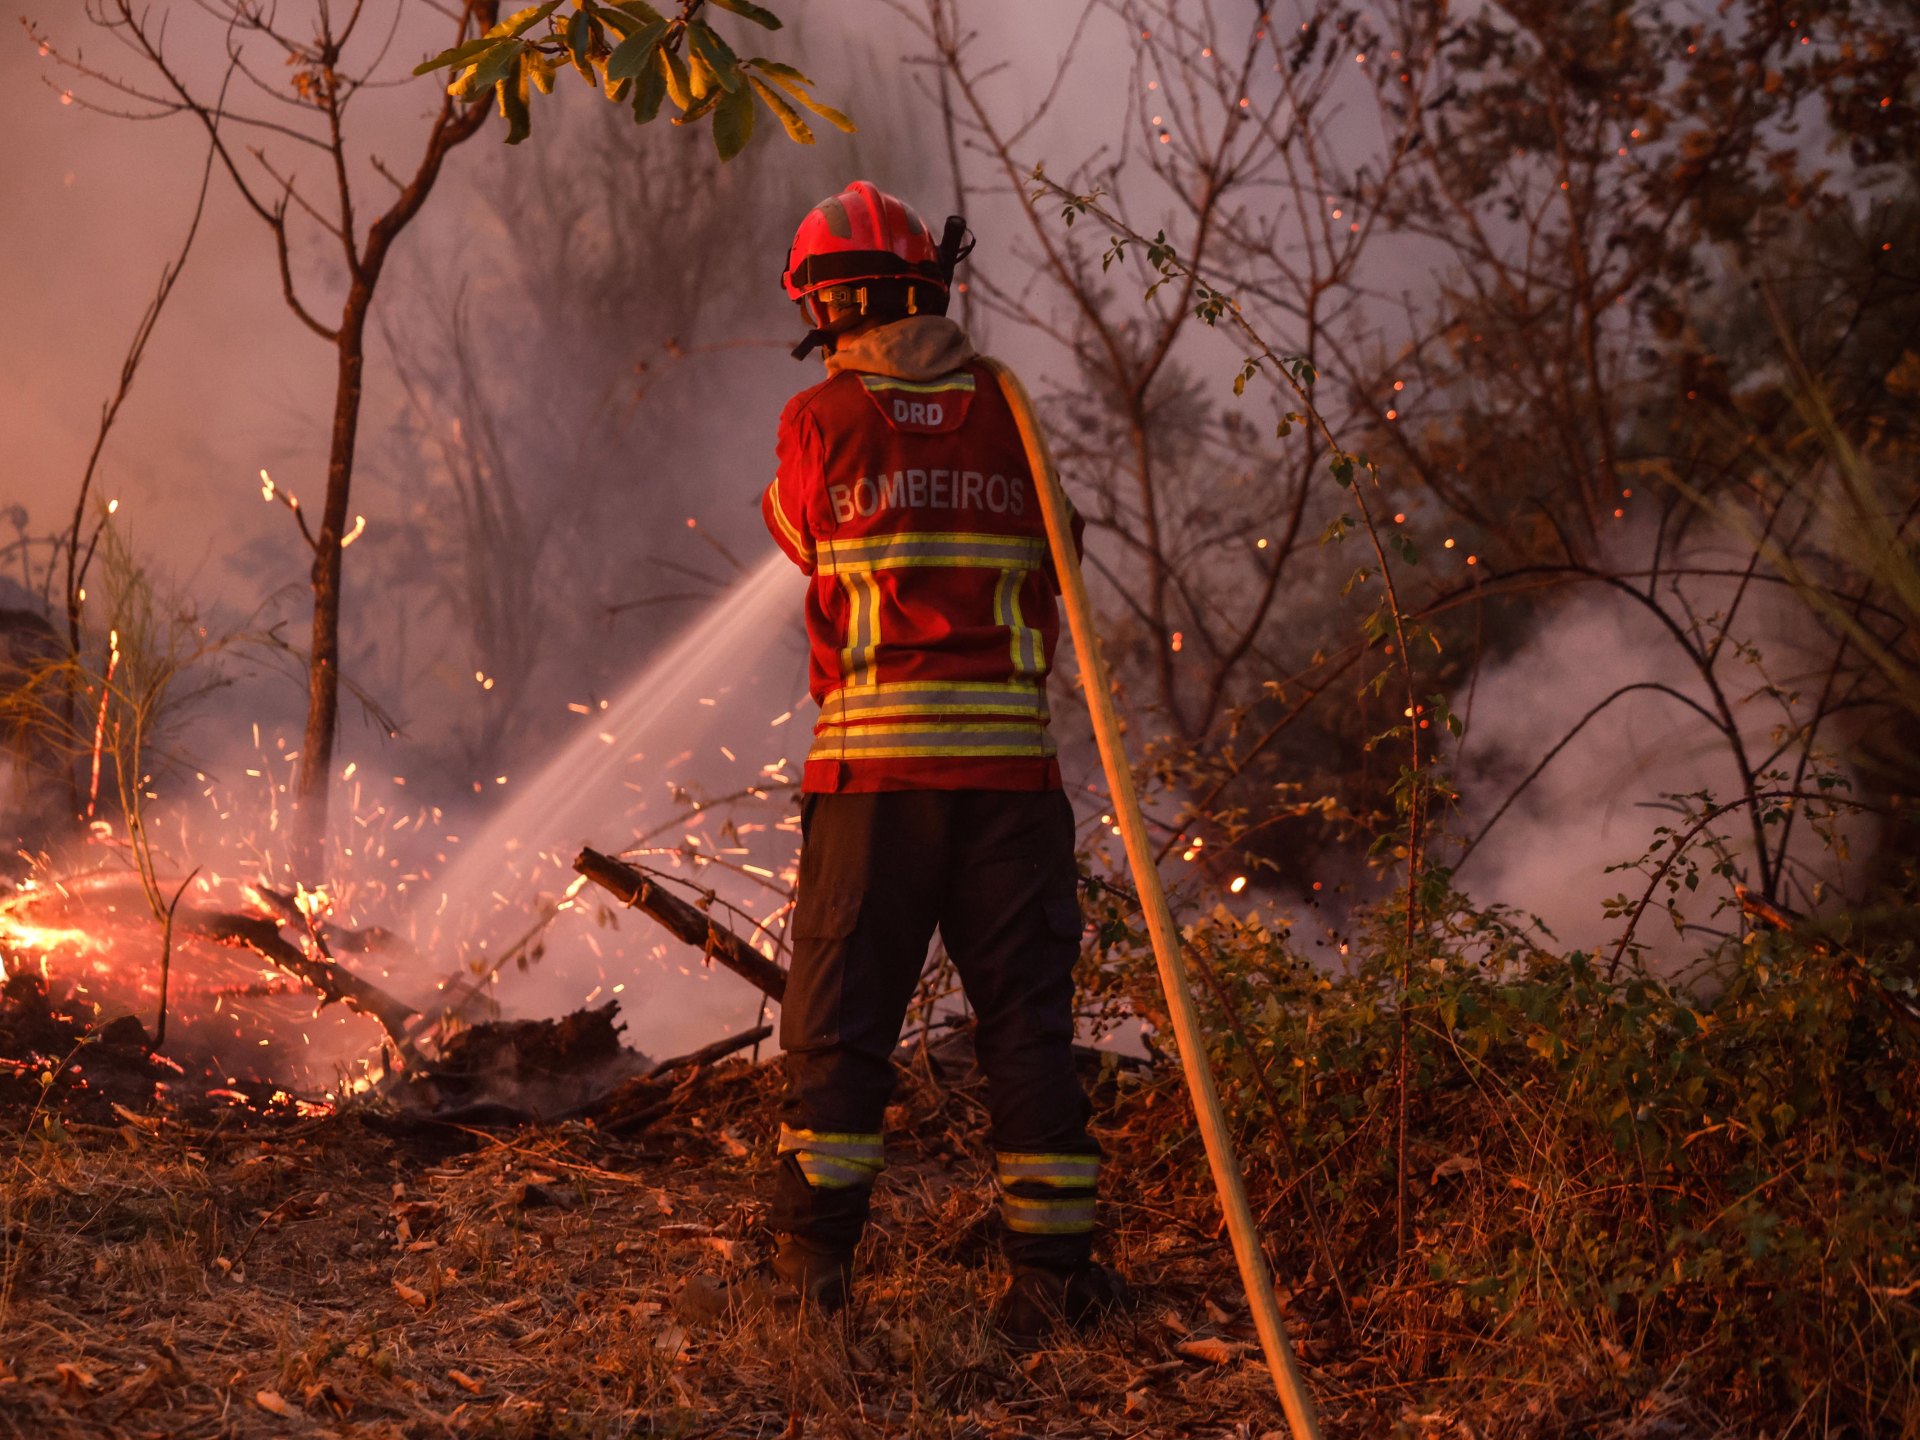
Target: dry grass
(231, 1276)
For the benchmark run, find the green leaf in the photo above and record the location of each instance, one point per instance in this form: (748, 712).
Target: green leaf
(635, 53)
(782, 75)
(513, 107)
(649, 89)
(778, 70)
(700, 77)
(733, 123)
(766, 19)
(619, 19)
(580, 45)
(495, 66)
(702, 107)
(640, 9)
(679, 83)
(540, 68)
(716, 54)
(797, 129)
(522, 21)
(458, 55)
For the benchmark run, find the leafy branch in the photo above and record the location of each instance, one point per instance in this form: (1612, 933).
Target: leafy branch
(636, 56)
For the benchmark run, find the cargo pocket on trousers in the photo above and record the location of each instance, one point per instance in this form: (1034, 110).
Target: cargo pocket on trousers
(1062, 908)
(827, 915)
(823, 923)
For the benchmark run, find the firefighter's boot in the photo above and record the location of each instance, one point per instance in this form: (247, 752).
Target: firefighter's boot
(821, 1276)
(1041, 1299)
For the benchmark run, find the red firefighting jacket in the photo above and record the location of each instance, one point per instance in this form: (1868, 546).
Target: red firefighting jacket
(931, 615)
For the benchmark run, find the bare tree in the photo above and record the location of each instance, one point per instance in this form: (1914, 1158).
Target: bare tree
(313, 174)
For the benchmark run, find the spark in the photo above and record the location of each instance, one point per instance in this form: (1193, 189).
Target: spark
(266, 486)
(112, 506)
(359, 528)
(1239, 884)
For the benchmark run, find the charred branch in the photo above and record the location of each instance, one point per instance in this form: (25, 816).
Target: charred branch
(639, 891)
(334, 983)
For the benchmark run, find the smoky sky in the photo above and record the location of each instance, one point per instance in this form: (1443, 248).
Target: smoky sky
(92, 207)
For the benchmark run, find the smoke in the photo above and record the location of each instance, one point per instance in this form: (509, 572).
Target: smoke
(1596, 806)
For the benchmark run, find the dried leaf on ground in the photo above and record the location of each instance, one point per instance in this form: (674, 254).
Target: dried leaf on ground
(1211, 1349)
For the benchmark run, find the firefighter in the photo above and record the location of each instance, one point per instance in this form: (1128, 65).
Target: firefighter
(931, 795)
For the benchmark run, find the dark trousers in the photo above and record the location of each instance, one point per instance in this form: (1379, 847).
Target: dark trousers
(994, 871)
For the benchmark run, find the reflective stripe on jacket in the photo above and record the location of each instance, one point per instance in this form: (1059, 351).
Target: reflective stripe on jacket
(931, 616)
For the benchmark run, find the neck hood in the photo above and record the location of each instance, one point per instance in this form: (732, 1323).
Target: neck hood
(920, 347)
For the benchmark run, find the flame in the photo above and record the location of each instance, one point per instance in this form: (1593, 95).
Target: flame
(21, 938)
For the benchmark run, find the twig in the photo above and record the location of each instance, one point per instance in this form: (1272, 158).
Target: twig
(166, 959)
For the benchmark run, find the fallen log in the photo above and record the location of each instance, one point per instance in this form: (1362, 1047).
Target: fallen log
(707, 1054)
(335, 983)
(639, 891)
(336, 937)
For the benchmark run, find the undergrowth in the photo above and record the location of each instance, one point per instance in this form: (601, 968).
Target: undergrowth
(1629, 1195)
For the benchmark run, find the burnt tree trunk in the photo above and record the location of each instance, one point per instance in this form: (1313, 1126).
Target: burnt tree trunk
(453, 125)
(323, 673)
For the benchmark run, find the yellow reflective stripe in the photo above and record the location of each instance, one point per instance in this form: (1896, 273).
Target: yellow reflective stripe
(831, 1142)
(924, 549)
(1023, 639)
(829, 1172)
(876, 742)
(1061, 1170)
(936, 697)
(961, 381)
(863, 627)
(1047, 1217)
(794, 537)
(834, 1160)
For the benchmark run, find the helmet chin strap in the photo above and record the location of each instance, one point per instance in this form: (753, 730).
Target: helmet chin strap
(814, 339)
(827, 328)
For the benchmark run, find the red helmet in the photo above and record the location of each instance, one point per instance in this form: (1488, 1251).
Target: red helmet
(862, 234)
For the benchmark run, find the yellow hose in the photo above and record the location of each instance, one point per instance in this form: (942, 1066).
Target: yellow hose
(1227, 1179)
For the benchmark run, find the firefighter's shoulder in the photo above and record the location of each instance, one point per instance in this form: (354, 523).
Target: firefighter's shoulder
(808, 400)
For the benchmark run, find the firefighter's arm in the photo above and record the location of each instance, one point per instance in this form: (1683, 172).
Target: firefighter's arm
(1079, 542)
(785, 504)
